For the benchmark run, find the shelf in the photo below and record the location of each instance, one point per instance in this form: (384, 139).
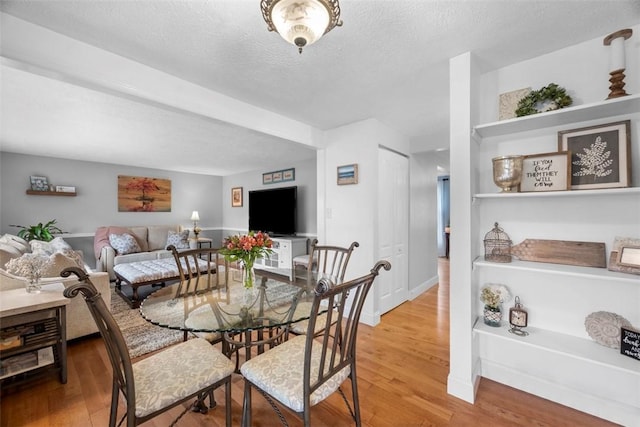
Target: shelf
(569, 193)
(568, 345)
(562, 269)
(565, 116)
(50, 193)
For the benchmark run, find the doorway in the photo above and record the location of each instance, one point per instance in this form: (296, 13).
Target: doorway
(443, 216)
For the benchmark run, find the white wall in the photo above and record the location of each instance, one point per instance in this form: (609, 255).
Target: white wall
(423, 247)
(96, 203)
(347, 213)
(305, 179)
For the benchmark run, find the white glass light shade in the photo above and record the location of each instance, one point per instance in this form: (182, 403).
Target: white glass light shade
(300, 22)
(195, 216)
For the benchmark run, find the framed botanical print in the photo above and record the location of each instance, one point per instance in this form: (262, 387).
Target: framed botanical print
(600, 155)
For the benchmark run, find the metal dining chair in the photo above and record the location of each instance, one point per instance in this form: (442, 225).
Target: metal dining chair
(188, 370)
(305, 370)
(331, 261)
(201, 270)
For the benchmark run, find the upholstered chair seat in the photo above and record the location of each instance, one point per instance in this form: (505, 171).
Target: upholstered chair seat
(179, 371)
(279, 372)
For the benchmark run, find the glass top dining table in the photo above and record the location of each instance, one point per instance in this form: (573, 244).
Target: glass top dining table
(279, 299)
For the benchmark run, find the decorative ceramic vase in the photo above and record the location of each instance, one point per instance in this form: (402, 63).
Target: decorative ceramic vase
(248, 274)
(33, 286)
(507, 172)
(492, 315)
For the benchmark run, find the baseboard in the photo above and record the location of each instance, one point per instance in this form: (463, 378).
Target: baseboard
(423, 287)
(465, 390)
(610, 410)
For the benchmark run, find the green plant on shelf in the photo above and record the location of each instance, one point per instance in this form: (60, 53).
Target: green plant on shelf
(40, 231)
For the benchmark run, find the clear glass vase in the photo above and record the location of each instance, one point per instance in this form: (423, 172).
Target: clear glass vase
(492, 315)
(248, 275)
(33, 286)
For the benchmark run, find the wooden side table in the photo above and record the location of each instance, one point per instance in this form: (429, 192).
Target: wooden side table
(34, 334)
(204, 241)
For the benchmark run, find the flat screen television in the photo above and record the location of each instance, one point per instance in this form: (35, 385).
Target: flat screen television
(274, 211)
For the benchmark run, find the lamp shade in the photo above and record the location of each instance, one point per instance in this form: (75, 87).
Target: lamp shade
(301, 22)
(195, 216)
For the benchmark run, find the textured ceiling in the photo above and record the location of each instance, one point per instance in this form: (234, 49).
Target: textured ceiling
(389, 61)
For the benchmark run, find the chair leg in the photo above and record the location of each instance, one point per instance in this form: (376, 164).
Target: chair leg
(227, 401)
(356, 402)
(246, 405)
(113, 415)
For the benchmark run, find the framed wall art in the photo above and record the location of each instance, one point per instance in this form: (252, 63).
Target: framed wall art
(39, 183)
(143, 194)
(546, 172)
(600, 155)
(279, 176)
(625, 255)
(348, 174)
(236, 197)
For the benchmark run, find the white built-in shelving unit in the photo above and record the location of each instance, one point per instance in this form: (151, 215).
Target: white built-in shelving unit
(557, 360)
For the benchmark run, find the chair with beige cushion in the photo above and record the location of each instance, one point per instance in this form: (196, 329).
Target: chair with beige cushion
(201, 270)
(305, 370)
(191, 369)
(327, 259)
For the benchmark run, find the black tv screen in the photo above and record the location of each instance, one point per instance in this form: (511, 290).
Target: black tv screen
(273, 211)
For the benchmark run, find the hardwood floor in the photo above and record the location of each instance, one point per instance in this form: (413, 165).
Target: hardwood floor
(403, 365)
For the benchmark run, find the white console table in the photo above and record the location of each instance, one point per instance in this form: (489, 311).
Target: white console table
(284, 250)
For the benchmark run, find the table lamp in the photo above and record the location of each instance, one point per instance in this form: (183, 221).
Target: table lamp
(195, 218)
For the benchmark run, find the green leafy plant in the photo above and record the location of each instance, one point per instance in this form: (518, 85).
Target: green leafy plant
(40, 231)
(548, 98)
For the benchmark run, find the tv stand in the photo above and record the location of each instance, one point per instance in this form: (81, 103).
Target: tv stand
(284, 250)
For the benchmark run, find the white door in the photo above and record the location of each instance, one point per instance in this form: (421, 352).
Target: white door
(393, 228)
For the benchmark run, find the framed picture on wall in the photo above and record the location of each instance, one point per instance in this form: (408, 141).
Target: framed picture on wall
(39, 183)
(236, 197)
(348, 174)
(600, 155)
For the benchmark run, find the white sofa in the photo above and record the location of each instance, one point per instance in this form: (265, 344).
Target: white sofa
(152, 242)
(79, 320)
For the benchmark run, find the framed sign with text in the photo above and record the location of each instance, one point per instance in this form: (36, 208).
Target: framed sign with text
(546, 172)
(630, 343)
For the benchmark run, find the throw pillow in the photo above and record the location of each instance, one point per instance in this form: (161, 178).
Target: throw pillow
(40, 247)
(19, 245)
(7, 253)
(58, 262)
(124, 243)
(59, 245)
(178, 239)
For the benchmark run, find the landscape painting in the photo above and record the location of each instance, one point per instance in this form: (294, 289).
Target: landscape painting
(143, 194)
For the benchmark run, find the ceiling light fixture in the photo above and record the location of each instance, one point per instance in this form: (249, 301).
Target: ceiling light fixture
(301, 22)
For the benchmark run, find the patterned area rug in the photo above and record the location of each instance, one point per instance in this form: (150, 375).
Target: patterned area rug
(141, 336)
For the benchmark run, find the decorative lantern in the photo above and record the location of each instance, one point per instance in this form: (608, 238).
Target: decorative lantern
(497, 245)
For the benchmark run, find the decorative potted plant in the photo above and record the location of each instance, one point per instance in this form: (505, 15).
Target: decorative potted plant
(493, 295)
(40, 231)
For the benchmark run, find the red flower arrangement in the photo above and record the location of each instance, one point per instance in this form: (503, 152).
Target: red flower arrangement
(247, 248)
